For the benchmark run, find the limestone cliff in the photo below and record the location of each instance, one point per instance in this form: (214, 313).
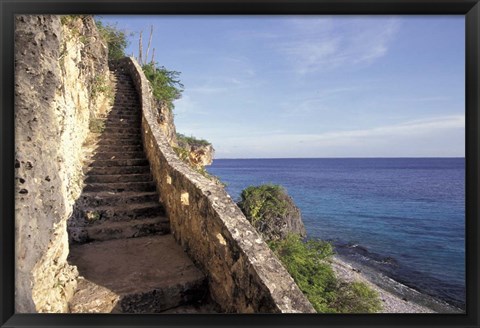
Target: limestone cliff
(197, 154)
(60, 70)
(166, 122)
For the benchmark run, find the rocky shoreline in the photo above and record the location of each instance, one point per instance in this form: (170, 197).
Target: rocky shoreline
(396, 297)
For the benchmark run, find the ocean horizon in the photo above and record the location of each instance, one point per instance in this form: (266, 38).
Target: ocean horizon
(402, 216)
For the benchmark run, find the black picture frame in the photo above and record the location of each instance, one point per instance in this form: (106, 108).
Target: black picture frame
(469, 8)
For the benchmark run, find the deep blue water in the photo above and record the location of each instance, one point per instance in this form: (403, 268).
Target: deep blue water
(403, 216)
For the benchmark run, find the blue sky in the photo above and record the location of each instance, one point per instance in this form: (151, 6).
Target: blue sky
(315, 86)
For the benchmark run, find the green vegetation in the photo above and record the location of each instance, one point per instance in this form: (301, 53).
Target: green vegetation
(262, 204)
(96, 125)
(191, 141)
(356, 297)
(68, 19)
(116, 40)
(183, 154)
(166, 86)
(100, 85)
(307, 262)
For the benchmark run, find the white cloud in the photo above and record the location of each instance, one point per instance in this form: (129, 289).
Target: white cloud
(404, 129)
(325, 43)
(318, 102)
(421, 99)
(186, 106)
(440, 136)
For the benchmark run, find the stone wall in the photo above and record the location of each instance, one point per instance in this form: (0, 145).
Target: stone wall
(58, 65)
(244, 275)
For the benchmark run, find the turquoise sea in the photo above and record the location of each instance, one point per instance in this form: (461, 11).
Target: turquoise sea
(402, 216)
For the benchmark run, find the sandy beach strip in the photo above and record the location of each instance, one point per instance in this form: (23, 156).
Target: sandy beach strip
(401, 301)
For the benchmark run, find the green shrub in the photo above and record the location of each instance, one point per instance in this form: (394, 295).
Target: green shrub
(263, 203)
(100, 85)
(96, 125)
(356, 297)
(116, 40)
(184, 141)
(166, 86)
(307, 264)
(182, 153)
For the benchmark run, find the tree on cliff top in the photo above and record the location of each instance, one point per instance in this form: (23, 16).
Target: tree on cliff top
(166, 85)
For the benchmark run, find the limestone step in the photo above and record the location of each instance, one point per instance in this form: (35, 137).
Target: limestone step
(106, 178)
(116, 198)
(122, 124)
(133, 119)
(118, 142)
(102, 155)
(110, 119)
(118, 148)
(117, 170)
(121, 186)
(125, 112)
(136, 275)
(126, 97)
(130, 106)
(137, 123)
(124, 229)
(202, 307)
(115, 129)
(116, 162)
(117, 136)
(123, 82)
(99, 214)
(126, 90)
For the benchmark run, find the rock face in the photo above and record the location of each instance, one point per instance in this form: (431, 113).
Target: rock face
(165, 120)
(198, 155)
(272, 211)
(58, 66)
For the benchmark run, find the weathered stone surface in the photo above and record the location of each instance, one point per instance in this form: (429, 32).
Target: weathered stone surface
(92, 298)
(54, 76)
(165, 121)
(244, 275)
(200, 156)
(144, 275)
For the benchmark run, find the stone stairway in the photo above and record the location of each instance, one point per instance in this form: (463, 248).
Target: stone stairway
(121, 241)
